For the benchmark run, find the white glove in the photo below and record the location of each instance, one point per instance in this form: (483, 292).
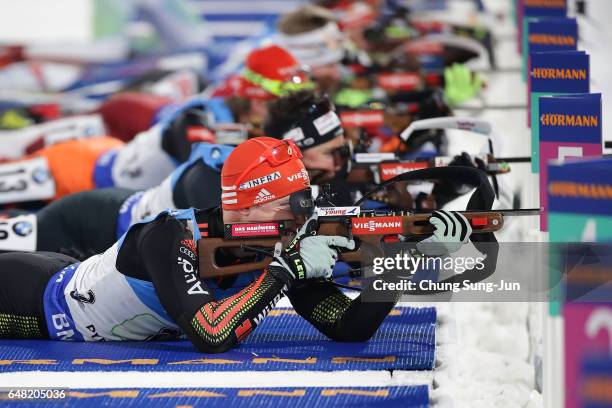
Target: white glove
(319, 256)
(311, 256)
(452, 231)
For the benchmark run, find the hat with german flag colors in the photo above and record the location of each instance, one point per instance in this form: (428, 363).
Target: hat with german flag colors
(260, 170)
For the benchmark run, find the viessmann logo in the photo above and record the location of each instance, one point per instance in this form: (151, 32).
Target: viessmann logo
(362, 119)
(390, 170)
(403, 81)
(377, 225)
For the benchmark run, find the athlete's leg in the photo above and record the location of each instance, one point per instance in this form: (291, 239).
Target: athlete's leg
(81, 224)
(24, 277)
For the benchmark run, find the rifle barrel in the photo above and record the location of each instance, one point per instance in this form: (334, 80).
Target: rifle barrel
(524, 159)
(516, 212)
(513, 212)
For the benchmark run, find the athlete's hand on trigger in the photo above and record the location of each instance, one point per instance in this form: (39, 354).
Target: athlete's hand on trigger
(452, 230)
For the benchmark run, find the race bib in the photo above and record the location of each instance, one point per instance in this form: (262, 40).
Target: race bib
(18, 233)
(27, 180)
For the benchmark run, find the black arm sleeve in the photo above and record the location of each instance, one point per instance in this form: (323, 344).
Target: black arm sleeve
(168, 254)
(336, 315)
(199, 187)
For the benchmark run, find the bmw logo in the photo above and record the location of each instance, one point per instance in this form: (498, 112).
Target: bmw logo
(22, 228)
(40, 175)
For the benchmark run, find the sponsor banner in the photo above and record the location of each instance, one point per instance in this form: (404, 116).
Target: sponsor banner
(326, 123)
(374, 157)
(580, 210)
(587, 331)
(552, 74)
(559, 151)
(337, 211)
(267, 229)
(544, 7)
(399, 81)
(548, 34)
(443, 161)
(377, 225)
(231, 133)
(200, 134)
(26, 180)
(569, 118)
(295, 134)
(18, 233)
(559, 72)
(365, 118)
(260, 180)
(569, 127)
(390, 170)
(579, 205)
(595, 381)
(580, 187)
(536, 8)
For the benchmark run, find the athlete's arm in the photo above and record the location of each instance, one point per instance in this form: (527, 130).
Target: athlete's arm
(165, 250)
(338, 316)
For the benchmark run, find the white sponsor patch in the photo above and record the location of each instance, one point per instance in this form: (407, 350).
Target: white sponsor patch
(373, 157)
(260, 180)
(26, 180)
(302, 174)
(18, 233)
(337, 211)
(443, 161)
(295, 134)
(324, 124)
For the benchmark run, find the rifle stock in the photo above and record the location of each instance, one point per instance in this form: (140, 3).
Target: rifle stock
(368, 233)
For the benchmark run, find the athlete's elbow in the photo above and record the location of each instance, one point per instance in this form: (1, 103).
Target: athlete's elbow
(207, 347)
(351, 335)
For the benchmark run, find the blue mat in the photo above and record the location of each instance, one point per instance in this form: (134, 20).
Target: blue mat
(295, 397)
(284, 341)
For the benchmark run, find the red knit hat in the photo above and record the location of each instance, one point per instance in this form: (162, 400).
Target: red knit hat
(262, 169)
(273, 70)
(273, 62)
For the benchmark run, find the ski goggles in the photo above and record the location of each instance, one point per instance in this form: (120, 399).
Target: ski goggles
(298, 81)
(285, 151)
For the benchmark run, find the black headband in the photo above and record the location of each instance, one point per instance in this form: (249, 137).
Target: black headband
(320, 125)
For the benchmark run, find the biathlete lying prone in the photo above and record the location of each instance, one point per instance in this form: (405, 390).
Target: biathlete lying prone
(147, 285)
